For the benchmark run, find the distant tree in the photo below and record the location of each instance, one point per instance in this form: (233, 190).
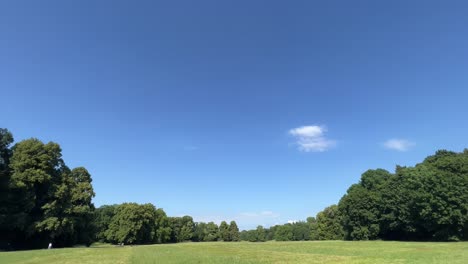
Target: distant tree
(224, 231)
(249, 235)
(186, 232)
(270, 232)
(233, 231)
(133, 224)
(329, 224)
(182, 228)
(102, 219)
(212, 232)
(312, 222)
(244, 235)
(284, 233)
(199, 232)
(260, 234)
(301, 231)
(163, 229)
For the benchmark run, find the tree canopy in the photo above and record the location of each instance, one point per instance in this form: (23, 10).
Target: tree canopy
(42, 200)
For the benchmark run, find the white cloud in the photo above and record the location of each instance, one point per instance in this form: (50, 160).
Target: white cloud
(292, 221)
(398, 144)
(312, 138)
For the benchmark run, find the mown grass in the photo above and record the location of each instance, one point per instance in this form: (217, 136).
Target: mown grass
(244, 252)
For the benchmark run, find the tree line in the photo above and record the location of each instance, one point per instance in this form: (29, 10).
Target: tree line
(427, 202)
(325, 226)
(42, 200)
(131, 223)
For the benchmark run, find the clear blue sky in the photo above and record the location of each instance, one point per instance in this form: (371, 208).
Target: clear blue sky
(258, 111)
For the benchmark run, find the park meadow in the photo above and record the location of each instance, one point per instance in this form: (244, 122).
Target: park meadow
(373, 222)
(248, 252)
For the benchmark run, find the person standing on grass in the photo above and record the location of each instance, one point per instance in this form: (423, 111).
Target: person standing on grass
(50, 245)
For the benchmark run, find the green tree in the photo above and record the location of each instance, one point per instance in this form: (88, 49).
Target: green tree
(6, 227)
(186, 232)
(312, 222)
(182, 228)
(40, 191)
(329, 224)
(199, 232)
(212, 232)
(82, 210)
(224, 231)
(133, 224)
(361, 208)
(443, 209)
(102, 219)
(301, 231)
(163, 229)
(426, 202)
(284, 233)
(270, 232)
(248, 235)
(233, 231)
(260, 234)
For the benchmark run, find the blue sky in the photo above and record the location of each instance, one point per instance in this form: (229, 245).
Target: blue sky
(257, 111)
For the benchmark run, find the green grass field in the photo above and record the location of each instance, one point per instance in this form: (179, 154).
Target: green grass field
(244, 252)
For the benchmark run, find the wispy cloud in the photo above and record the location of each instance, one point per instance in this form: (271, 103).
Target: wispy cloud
(398, 144)
(190, 148)
(312, 138)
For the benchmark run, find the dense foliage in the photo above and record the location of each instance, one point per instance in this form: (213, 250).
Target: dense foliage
(131, 223)
(427, 202)
(42, 201)
(326, 226)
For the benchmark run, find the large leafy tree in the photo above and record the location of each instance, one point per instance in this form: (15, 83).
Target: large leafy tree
(361, 206)
(133, 224)
(40, 190)
(283, 233)
(224, 231)
(301, 231)
(82, 209)
(260, 234)
(437, 198)
(312, 222)
(425, 202)
(186, 231)
(163, 229)
(182, 228)
(102, 218)
(212, 232)
(199, 232)
(329, 224)
(233, 231)
(6, 139)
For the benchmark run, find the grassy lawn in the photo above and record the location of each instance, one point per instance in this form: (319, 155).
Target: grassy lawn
(244, 252)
